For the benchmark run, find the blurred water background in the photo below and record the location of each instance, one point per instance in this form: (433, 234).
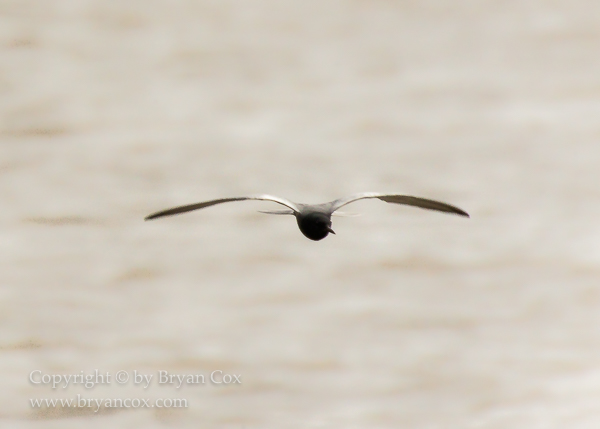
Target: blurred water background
(111, 110)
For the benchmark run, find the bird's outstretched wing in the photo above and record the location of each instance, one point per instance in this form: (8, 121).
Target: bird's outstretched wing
(190, 207)
(400, 199)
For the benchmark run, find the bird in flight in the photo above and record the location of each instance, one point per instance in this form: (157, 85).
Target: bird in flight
(314, 220)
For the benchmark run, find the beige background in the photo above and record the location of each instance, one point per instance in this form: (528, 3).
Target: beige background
(111, 110)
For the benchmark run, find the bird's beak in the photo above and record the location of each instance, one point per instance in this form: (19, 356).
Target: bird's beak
(330, 230)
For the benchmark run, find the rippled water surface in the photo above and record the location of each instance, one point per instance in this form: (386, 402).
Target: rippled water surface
(112, 110)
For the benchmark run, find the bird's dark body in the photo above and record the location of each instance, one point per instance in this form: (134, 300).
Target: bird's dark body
(314, 225)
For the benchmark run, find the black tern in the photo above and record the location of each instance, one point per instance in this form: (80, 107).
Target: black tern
(314, 220)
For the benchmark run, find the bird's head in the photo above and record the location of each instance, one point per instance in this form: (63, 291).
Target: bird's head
(315, 225)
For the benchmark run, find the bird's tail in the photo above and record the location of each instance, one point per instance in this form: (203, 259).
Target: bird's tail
(277, 212)
(345, 214)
